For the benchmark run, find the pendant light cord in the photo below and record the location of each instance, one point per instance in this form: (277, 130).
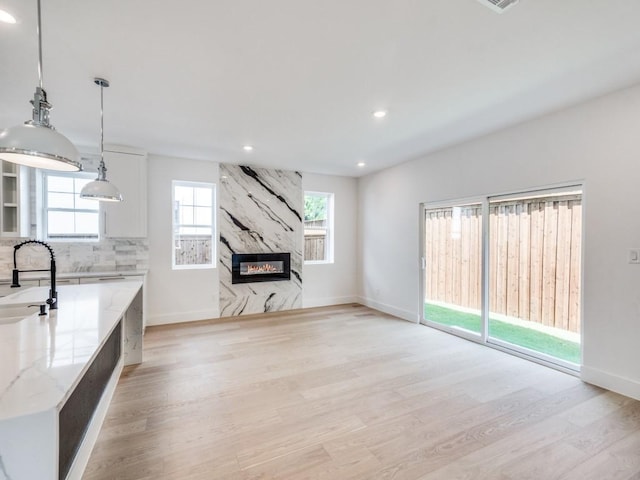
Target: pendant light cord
(39, 46)
(41, 107)
(102, 124)
(102, 175)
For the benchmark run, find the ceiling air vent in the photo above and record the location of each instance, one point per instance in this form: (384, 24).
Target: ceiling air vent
(498, 5)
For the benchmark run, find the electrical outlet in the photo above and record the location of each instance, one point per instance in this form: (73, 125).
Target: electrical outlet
(634, 255)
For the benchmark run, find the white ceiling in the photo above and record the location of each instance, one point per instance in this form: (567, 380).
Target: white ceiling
(300, 79)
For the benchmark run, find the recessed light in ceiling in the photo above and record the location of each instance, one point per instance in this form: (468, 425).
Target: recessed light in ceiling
(380, 113)
(6, 17)
(248, 148)
(361, 164)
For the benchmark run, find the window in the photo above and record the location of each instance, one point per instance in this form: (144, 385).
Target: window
(193, 225)
(318, 227)
(66, 215)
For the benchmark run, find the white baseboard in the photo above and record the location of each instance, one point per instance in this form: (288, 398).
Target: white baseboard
(407, 315)
(621, 385)
(328, 301)
(167, 318)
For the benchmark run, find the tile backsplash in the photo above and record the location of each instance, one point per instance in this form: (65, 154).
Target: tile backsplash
(108, 255)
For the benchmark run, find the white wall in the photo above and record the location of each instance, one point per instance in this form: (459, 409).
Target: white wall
(183, 295)
(597, 142)
(334, 283)
(175, 295)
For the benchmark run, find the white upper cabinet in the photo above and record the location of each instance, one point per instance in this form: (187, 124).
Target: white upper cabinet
(127, 170)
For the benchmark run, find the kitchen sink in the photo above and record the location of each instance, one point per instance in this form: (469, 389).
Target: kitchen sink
(12, 313)
(8, 320)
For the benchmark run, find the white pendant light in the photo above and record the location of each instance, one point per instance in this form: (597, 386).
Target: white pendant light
(100, 188)
(36, 143)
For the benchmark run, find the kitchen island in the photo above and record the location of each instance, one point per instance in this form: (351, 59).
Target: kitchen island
(58, 373)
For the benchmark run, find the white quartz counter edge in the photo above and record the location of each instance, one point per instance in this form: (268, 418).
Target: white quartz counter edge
(42, 359)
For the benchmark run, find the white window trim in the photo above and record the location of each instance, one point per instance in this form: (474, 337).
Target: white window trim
(329, 229)
(42, 209)
(214, 227)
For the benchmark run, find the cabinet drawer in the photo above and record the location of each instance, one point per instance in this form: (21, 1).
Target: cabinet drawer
(61, 281)
(114, 278)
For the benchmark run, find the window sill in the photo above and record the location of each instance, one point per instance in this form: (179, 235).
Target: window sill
(72, 240)
(193, 267)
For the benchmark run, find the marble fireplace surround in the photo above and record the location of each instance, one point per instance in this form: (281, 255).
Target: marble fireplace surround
(260, 211)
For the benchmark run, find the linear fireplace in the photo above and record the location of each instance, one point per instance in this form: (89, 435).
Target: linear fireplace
(260, 267)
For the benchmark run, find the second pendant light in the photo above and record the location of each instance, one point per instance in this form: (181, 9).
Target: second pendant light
(101, 189)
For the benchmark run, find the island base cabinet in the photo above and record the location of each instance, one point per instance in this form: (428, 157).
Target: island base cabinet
(28, 446)
(81, 458)
(134, 330)
(56, 444)
(77, 412)
(50, 435)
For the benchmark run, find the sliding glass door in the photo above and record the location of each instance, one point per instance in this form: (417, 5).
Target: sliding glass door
(534, 273)
(513, 280)
(453, 267)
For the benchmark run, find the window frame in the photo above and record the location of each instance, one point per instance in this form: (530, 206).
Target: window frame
(44, 210)
(329, 229)
(175, 225)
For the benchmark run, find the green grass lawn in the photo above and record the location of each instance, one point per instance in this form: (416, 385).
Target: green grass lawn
(524, 337)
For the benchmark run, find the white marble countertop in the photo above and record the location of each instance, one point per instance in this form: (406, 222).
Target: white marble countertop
(42, 358)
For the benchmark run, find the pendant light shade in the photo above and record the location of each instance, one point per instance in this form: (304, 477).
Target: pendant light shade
(39, 147)
(36, 143)
(100, 188)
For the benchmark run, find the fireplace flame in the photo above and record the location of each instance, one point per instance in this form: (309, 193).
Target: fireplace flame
(264, 268)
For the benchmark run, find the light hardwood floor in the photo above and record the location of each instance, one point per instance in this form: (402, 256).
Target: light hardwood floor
(349, 393)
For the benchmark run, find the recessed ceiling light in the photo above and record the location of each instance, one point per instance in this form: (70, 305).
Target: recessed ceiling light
(361, 164)
(380, 113)
(248, 148)
(6, 17)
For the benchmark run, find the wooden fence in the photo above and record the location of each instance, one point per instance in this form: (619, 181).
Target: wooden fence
(192, 250)
(314, 239)
(314, 247)
(534, 258)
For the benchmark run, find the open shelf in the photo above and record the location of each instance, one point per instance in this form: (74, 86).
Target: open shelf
(12, 195)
